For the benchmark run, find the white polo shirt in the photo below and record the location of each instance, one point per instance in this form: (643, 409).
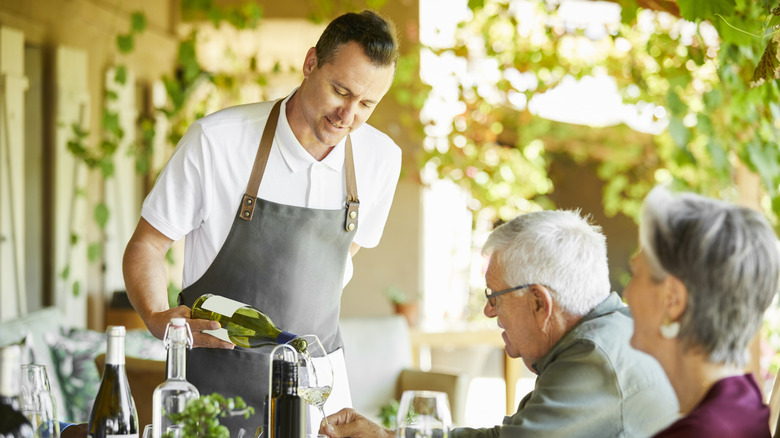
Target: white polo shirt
(198, 193)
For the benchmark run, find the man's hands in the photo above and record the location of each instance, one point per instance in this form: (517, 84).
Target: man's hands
(156, 323)
(348, 423)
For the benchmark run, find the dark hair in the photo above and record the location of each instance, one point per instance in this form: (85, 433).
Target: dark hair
(376, 35)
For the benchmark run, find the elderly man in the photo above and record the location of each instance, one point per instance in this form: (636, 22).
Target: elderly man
(553, 301)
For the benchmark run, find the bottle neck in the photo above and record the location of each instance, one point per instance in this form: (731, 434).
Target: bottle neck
(10, 372)
(115, 351)
(177, 361)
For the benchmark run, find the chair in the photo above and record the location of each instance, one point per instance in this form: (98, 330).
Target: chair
(378, 354)
(143, 375)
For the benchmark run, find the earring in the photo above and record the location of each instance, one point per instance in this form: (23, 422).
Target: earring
(669, 329)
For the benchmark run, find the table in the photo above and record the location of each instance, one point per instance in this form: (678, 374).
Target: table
(422, 340)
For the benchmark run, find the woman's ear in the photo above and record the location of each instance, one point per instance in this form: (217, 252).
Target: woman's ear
(676, 297)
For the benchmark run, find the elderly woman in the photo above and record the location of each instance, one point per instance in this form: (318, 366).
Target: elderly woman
(705, 273)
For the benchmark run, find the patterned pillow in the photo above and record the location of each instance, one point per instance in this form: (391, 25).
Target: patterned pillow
(74, 354)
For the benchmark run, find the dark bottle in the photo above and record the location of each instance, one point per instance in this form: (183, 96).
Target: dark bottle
(114, 413)
(289, 419)
(13, 424)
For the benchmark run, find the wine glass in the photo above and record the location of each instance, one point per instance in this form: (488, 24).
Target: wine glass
(315, 374)
(424, 414)
(37, 402)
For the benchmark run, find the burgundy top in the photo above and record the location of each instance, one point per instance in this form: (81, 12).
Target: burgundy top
(732, 408)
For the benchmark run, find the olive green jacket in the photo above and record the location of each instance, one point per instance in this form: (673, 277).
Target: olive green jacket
(592, 384)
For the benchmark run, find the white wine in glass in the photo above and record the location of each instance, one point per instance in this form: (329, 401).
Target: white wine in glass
(315, 375)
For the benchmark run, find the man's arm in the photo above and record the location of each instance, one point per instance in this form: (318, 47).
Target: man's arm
(146, 281)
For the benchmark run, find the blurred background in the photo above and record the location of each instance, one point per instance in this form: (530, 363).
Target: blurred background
(500, 106)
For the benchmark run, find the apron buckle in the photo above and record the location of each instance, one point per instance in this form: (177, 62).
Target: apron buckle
(352, 215)
(247, 207)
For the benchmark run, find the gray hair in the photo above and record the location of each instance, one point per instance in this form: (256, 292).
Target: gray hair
(725, 255)
(558, 249)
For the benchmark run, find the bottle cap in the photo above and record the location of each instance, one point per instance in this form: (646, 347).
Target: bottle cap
(178, 321)
(115, 330)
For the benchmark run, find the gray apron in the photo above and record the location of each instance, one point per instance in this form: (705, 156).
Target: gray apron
(286, 261)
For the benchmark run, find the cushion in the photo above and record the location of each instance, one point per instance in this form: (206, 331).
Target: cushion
(74, 352)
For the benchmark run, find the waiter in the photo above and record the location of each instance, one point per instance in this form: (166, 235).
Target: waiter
(274, 199)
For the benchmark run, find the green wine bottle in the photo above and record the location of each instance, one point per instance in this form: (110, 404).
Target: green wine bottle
(114, 413)
(246, 326)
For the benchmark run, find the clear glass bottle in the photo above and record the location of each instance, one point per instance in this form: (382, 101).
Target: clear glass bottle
(13, 424)
(172, 395)
(246, 326)
(114, 413)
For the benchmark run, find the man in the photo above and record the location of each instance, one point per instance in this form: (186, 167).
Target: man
(549, 269)
(278, 237)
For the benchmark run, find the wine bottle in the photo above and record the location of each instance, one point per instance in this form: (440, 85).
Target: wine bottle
(171, 396)
(114, 413)
(13, 424)
(290, 409)
(246, 326)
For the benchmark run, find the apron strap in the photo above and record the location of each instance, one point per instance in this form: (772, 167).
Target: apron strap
(261, 159)
(352, 198)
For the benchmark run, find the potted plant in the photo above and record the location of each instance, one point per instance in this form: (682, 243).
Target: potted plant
(402, 305)
(200, 417)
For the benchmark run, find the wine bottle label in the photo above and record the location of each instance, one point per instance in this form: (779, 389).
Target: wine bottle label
(221, 305)
(220, 333)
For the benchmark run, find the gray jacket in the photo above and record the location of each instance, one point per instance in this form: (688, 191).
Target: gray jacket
(592, 384)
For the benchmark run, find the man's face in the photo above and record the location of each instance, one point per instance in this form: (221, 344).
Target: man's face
(514, 313)
(340, 96)
(644, 299)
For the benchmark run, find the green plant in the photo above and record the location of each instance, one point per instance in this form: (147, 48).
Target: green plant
(396, 295)
(388, 414)
(200, 417)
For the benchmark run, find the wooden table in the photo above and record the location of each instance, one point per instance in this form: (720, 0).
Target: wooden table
(513, 368)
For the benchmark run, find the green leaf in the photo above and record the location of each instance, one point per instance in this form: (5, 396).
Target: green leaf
(74, 239)
(768, 67)
(120, 76)
(138, 22)
(676, 106)
(476, 4)
(628, 11)
(93, 252)
(697, 10)
(76, 290)
(679, 132)
(124, 43)
(101, 215)
(713, 99)
(111, 122)
(65, 272)
(765, 160)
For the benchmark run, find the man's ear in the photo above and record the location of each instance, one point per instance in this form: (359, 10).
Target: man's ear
(675, 297)
(542, 305)
(310, 62)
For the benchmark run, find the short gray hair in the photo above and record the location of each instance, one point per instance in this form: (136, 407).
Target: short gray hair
(558, 249)
(725, 255)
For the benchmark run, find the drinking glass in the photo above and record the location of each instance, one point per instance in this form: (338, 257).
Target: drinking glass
(424, 414)
(37, 402)
(147, 431)
(315, 374)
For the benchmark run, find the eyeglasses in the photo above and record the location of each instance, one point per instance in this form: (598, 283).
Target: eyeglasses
(491, 296)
